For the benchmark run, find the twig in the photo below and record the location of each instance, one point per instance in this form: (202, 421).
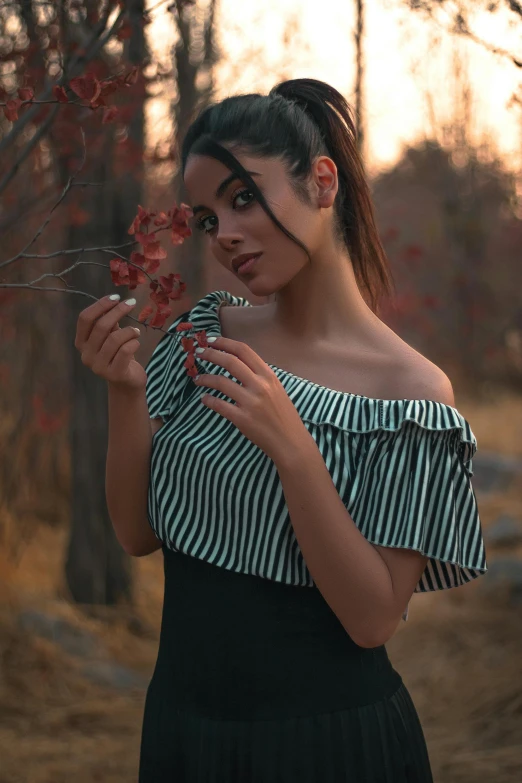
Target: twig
(33, 141)
(96, 43)
(80, 293)
(64, 193)
(460, 26)
(106, 249)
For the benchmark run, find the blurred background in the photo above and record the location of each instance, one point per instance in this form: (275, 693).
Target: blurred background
(436, 87)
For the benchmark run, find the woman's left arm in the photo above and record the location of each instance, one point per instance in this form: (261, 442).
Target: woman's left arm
(367, 586)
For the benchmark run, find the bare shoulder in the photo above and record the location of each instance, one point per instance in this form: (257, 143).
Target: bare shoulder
(417, 378)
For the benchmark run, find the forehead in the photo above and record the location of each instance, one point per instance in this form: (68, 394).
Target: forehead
(204, 174)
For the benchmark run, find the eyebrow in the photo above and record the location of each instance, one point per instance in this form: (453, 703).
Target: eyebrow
(221, 189)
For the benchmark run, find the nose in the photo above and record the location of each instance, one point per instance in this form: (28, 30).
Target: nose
(228, 238)
(228, 242)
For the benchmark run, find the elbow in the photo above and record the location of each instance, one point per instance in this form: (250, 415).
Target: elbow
(134, 551)
(370, 644)
(136, 540)
(378, 638)
(140, 549)
(366, 642)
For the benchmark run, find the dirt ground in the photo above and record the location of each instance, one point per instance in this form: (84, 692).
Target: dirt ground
(459, 655)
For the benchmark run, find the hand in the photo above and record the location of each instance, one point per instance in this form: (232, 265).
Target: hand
(263, 412)
(108, 350)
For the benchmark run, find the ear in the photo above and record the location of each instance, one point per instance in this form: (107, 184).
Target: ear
(324, 176)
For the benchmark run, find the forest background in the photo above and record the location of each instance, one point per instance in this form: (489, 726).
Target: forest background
(94, 99)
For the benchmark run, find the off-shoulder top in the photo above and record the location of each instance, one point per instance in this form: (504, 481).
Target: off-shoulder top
(403, 469)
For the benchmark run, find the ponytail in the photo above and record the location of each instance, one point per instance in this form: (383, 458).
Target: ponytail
(332, 115)
(299, 120)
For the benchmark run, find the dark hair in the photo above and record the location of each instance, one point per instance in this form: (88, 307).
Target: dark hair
(299, 120)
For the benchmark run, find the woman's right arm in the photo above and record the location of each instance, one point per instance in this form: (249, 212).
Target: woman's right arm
(108, 351)
(127, 471)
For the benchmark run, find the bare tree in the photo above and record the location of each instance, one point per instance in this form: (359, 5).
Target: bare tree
(359, 76)
(97, 569)
(195, 56)
(454, 16)
(71, 45)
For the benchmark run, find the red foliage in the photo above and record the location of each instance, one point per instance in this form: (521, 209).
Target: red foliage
(180, 229)
(11, 109)
(110, 114)
(60, 94)
(432, 302)
(5, 374)
(124, 32)
(412, 254)
(46, 422)
(93, 90)
(78, 216)
(390, 234)
(26, 93)
(86, 87)
(136, 271)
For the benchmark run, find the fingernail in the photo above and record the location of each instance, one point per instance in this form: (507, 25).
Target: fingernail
(130, 301)
(114, 297)
(211, 339)
(136, 329)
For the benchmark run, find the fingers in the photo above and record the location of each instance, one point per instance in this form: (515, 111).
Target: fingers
(97, 321)
(123, 355)
(88, 316)
(116, 352)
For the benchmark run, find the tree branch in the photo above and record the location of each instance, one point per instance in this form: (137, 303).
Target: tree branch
(460, 25)
(76, 66)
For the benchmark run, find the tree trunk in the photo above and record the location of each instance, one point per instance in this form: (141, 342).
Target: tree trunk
(193, 69)
(97, 569)
(359, 77)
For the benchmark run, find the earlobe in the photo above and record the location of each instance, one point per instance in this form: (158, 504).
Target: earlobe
(326, 195)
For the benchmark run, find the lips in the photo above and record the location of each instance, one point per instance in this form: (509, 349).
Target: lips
(236, 262)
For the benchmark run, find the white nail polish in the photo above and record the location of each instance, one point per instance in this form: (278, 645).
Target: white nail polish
(211, 339)
(130, 301)
(114, 297)
(199, 350)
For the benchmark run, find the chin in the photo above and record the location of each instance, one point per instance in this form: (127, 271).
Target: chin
(260, 288)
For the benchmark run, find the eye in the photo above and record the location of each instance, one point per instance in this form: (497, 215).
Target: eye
(200, 223)
(245, 193)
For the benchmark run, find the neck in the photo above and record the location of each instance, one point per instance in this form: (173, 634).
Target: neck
(323, 304)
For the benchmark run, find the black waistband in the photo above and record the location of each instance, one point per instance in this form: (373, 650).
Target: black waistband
(237, 646)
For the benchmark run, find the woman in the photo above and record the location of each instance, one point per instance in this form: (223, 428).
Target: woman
(322, 479)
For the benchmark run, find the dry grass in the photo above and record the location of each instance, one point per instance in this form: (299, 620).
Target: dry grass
(458, 655)
(496, 422)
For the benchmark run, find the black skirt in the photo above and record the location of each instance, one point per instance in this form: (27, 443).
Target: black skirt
(258, 682)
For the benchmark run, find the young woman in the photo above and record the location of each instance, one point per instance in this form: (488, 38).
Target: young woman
(322, 479)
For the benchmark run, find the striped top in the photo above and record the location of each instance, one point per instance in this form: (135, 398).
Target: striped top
(401, 467)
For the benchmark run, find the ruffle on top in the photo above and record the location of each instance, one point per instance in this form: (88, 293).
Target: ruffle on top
(401, 467)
